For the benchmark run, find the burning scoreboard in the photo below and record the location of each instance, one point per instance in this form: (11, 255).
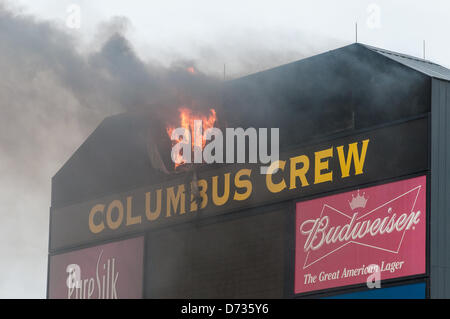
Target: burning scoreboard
(359, 193)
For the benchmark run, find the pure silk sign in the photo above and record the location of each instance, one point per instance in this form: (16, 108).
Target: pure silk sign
(339, 238)
(109, 271)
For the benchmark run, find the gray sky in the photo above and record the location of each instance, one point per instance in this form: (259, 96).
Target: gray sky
(247, 36)
(179, 26)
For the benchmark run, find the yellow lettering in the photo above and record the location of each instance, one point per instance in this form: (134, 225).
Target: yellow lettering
(111, 223)
(152, 215)
(173, 201)
(99, 208)
(322, 165)
(247, 184)
(358, 160)
(301, 173)
(131, 220)
(219, 201)
(203, 186)
(271, 186)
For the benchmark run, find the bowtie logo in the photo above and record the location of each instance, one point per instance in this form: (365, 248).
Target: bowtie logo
(335, 229)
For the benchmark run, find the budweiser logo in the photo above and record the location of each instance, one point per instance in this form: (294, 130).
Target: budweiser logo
(358, 201)
(335, 229)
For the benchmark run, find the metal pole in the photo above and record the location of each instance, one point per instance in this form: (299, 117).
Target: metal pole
(424, 49)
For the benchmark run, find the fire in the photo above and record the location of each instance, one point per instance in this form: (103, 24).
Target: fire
(187, 118)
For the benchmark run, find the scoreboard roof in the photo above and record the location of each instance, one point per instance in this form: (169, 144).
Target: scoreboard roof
(337, 92)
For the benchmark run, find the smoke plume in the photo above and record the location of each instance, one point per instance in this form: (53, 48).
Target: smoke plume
(52, 96)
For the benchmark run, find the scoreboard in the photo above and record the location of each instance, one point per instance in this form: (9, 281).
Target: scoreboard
(292, 233)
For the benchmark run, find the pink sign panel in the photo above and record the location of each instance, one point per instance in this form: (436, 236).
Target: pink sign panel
(377, 232)
(109, 271)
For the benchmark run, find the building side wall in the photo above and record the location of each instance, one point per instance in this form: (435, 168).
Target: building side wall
(440, 188)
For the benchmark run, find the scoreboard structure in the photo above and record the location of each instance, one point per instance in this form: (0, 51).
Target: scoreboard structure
(357, 208)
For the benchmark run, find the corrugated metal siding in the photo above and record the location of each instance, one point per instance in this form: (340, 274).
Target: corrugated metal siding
(440, 196)
(424, 66)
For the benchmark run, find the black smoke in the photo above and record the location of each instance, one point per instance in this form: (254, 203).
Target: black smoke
(52, 96)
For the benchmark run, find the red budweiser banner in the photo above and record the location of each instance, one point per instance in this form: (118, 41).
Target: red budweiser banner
(342, 239)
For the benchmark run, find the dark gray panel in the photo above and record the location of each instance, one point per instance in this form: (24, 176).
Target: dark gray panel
(240, 258)
(440, 197)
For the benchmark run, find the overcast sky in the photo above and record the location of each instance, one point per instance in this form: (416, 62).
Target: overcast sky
(247, 36)
(399, 25)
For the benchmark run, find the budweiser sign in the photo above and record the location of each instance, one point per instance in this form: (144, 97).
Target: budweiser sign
(339, 238)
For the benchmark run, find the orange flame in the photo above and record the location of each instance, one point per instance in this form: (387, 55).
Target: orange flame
(187, 118)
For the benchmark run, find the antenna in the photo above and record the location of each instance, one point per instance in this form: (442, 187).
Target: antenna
(424, 49)
(356, 32)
